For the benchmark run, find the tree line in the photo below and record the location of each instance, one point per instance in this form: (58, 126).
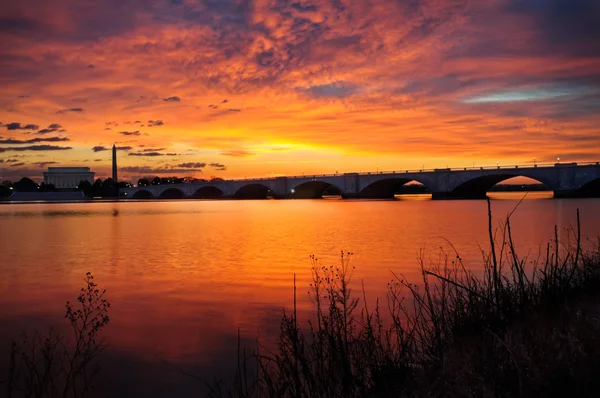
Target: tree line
(107, 188)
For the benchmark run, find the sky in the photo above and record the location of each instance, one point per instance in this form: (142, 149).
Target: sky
(250, 88)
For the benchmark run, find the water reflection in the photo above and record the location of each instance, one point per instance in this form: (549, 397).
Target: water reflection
(184, 275)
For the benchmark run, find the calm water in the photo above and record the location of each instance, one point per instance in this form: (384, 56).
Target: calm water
(183, 276)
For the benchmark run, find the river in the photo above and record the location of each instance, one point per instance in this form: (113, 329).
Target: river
(183, 276)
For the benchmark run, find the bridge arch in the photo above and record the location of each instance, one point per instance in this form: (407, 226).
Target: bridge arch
(386, 188)
(477, 187)
(172, 193)
(208, 192)
(591, 189)
(253, 191)
(315, 190)
(142, 194)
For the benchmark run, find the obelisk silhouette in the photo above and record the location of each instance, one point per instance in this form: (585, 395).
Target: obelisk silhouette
(114, 164)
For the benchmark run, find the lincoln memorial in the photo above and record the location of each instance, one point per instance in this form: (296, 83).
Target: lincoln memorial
(68, 177)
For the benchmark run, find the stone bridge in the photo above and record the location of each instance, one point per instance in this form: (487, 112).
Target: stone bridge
(566, 180)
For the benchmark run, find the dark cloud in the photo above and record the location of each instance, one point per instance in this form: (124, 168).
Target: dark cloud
(225, 101)
(149, 154)
(569, 26)
(137, 122)
(17, 164)
(130, 133)
(36, 148)
(19, 126)
(107, 128)
(213, 106)
(34, 140)
(152, 149)
(331, 90)
(237, 153)
(44, 164)
(55, 126)
(192, 165)
(73, 110)
(234, 110)
(103, 148)
(147, 170)
(152, 123)
(218, 166)
(12, 161)
(97, 160)
(91, 66)
(304, 8)
(45, 131)
(172, 99)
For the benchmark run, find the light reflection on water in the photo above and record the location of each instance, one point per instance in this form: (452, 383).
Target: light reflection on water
(184, 275)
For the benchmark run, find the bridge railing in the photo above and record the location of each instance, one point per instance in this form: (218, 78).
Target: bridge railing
(435, 170)
(409, 171)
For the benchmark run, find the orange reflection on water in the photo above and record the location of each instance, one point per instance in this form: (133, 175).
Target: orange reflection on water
(182, 276)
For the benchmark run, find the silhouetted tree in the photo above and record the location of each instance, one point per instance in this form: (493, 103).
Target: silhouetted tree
(86, 187)
(143, 182)
(97, 188)
(25, 185)
(216, 179)
(47, 187)
(4, 191)
(123, 184)
(6, 183)
(109, 188)
(156, 181)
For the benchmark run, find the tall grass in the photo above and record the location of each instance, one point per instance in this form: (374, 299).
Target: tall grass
(521, 327)
(52, 365)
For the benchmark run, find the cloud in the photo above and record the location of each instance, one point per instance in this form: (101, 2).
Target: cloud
(147, 170)
(44, 164)
(19, 126)
(331, 90)
(377, 77)
(55, 126)
(218, 166)
(103, 148)
(36, 148)
(172, 99)
(45, 131)
(192, 165)
(152, 123)
(149, 154)
(17, 164)
(130, 133)
(12, 161)
(73, 110)
(152, 149)
(34, 140)
(237, 153)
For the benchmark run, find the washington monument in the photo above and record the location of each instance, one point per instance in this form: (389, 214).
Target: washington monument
(114, 164)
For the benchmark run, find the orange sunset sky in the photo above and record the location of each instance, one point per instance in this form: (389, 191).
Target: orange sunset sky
(236, 88)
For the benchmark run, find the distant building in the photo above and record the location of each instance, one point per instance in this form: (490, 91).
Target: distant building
(68, 177)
